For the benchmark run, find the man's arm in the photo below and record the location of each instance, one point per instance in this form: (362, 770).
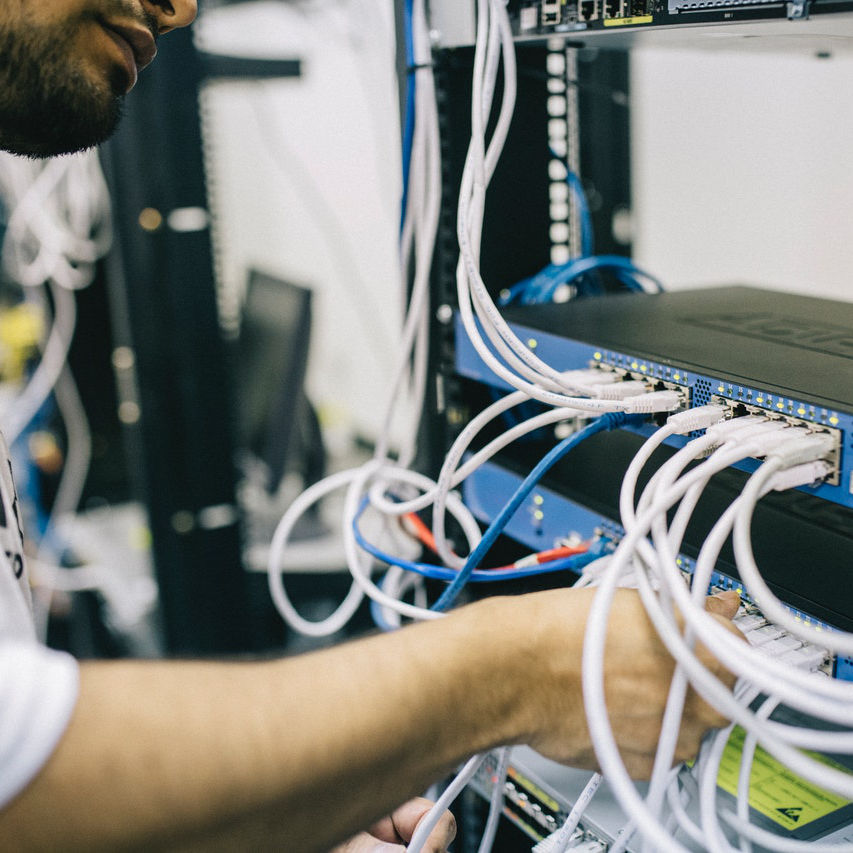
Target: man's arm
(301, 753)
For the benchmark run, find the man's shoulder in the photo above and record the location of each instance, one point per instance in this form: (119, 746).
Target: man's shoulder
(15, 598)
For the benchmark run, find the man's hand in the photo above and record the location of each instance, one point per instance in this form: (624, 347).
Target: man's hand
(637, 674)
(393, 833)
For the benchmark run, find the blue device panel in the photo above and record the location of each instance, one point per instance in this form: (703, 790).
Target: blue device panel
(547, 518)
(564, 353)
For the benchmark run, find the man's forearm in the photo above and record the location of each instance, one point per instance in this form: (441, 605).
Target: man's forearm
(300, 752)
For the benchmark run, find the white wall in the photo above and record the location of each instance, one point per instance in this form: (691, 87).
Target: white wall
(305, 181)
(742, 168)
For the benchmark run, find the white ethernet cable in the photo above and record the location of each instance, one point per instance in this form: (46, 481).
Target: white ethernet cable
(668, 545)
(59, 226)
(451, 467)
(357, 564)
(837, 641)
(26, 405)
(418, 236)
(496, 802)
(454, 789)
(560, 840)
(397, 583)
(355, 479)
(780, 671)
(649, 402)
(59, 222)
(648, 826)
(541, 379)
(419, 231)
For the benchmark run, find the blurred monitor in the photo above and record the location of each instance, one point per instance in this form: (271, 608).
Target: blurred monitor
(275, 420)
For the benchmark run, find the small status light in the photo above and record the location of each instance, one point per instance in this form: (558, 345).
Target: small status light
(679, 562)
(676, 376)
(798, 618)
(150, 219)
(597, 356)
(644, 368)
(780, 405)
(801, 411)
(834, 420)
(634, 365)
(721, 388)
(532, 343)
(539, 515)
(538, 500)
(818, 628)
(759, 399)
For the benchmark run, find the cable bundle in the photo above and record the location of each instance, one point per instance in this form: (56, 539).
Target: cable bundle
(788, 674)
(59, 226)
(387, 487)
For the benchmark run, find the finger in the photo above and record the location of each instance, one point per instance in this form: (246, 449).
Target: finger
(366, 843)
(724, 603)
(385, 830)
(410, 814)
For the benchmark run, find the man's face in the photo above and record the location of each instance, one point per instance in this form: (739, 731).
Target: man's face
(65, 66)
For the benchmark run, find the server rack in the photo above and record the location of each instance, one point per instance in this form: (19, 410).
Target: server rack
(517, 242)
(174, 386)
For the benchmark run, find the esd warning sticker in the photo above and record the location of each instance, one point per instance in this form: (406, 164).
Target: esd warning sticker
(775, 791)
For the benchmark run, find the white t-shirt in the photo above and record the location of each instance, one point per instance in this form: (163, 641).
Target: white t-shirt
(38, 687)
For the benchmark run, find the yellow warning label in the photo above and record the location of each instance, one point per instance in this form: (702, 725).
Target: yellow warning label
(628, 22)
(774, 790)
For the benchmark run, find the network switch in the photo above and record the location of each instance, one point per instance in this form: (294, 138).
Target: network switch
(623, 23)
(789, 556)
(567, 17)
(780, 354)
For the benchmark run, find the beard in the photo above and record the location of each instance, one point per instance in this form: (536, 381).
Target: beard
(47, 106)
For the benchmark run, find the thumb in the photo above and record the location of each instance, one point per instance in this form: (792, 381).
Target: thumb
(366, 843)
(723, 603)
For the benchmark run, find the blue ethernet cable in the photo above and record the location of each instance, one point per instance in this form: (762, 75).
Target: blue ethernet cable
(411, 94)
(441, 573)
(587, 232)
(540, 288)
(627, 271)
(611, 420)
(576, 563)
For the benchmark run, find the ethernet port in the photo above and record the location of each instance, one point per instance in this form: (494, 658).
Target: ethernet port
(551, 13)
(588, 10)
